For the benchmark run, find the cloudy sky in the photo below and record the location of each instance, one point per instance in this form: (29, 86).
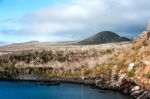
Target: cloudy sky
(67, 20)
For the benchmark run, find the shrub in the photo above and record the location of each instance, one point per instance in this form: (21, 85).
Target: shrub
(131, 73)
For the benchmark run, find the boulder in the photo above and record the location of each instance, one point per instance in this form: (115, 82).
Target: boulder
(127, 85)
(102, 84)
(125, 91)
(121, 78)
(131, 66)
(136, 88)
(136, 93)
(144, 95)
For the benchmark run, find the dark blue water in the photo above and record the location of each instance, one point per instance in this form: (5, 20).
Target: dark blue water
(24, 90)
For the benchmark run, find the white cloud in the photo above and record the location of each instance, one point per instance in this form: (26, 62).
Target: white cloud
(83, 17)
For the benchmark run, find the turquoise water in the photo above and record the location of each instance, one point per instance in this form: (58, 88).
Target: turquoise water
(24, 90)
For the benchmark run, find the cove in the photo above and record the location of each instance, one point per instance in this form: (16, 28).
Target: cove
(28, 90)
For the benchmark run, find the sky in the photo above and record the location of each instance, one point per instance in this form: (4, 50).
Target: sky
(70, 20)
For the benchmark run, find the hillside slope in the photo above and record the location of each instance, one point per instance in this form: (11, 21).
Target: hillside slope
(135, 60)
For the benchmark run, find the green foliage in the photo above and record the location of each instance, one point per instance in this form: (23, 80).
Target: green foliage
(131, 73)
(136, 47)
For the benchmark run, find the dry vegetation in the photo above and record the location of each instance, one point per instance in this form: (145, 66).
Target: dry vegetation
(139, 54)
(67, 61)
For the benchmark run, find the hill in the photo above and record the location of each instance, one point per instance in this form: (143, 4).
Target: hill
(103, 37)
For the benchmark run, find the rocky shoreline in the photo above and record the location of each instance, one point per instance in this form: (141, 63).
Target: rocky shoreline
(123, 85)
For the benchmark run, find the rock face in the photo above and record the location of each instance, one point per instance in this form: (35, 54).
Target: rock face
(144, 95)
(125, 85)
(102, 84)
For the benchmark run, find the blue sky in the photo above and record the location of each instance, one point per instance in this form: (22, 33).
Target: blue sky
(13, 10)
(18, 8)
(67, 20)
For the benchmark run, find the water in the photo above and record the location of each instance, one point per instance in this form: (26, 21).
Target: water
(24, 90)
